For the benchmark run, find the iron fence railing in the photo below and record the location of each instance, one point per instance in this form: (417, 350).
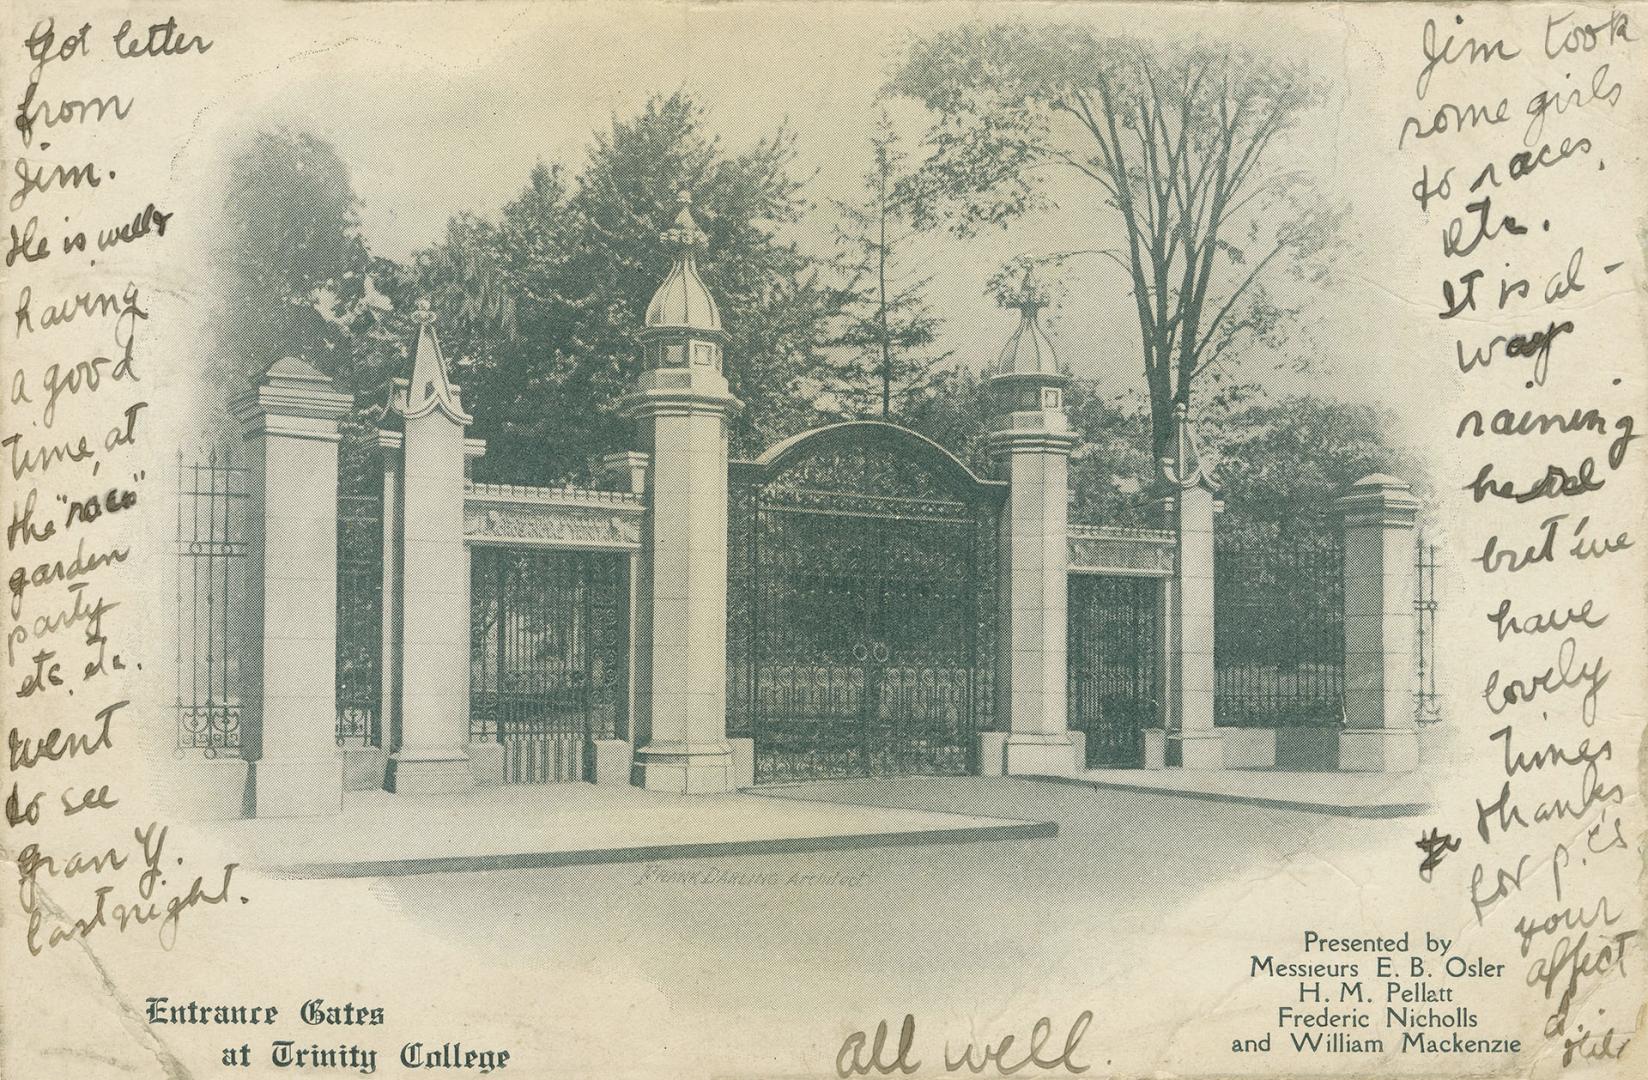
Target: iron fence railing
(211, 556)
(1279, 632)
(1427, 704)
(360, 620)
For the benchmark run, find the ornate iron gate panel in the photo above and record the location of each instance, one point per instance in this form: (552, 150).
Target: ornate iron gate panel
(861, 606)
(360, 620)
(549, 656)
(211, 563)
(1115, 641)
(1279, 627)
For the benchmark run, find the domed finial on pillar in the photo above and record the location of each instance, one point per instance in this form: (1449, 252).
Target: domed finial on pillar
(1027, 384)
(1028, 353)
(685, 234)
(1029, 298)
(683, 323)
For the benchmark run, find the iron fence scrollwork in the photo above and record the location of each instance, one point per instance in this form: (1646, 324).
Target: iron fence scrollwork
(861, 613)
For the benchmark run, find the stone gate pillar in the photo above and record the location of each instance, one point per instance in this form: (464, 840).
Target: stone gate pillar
(431, 664)
(681, 403)
(289, 672)
(1031, 446)
(1379, 734)
(1191, 679)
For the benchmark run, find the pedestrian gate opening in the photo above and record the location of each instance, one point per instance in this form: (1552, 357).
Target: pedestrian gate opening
(549, 657)
(1114, 641)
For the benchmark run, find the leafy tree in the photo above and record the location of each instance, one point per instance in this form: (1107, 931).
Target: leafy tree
(1282, 463)
(1111, 470)
(888, 332)
(954, 412)
(1176, 142)
(541, 307)
(290, 267)
(292, 276)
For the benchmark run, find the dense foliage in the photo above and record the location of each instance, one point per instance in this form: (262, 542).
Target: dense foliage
(538, 306)
(1171, 156)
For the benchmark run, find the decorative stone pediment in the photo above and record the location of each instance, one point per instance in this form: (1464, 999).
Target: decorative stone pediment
(561, 517)
(1131, 552)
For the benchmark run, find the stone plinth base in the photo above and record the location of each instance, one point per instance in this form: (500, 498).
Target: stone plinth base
(486, 763)
(1307, 749)
(1078, 743)
(1155, 748)
(1436, 742)
(613, 759)
(209, 789)
(363, 768)
(1391, 750)
(411, 773)
(683, 769)
(743, 762)
(1250, 748)
(1202, 750)
(992, 753)
(305, 787)
(1040, 755)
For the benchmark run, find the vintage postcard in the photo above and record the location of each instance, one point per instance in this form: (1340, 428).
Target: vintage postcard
(808, 541)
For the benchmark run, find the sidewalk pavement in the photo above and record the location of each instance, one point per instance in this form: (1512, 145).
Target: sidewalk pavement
(1362, 795)
(572, 824)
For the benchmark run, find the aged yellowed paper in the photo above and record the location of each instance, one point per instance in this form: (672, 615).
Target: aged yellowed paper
(758, 540)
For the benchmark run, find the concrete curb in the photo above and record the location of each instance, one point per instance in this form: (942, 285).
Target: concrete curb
(1374, 810)
(533, 860)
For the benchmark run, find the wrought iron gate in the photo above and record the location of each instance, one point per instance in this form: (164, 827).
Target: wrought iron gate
(549, 657)
(861, 613)
(1115, 640)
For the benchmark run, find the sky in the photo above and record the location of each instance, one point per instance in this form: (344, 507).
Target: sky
(449, 112)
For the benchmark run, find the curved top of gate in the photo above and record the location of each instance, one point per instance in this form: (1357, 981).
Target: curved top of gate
(899, 446)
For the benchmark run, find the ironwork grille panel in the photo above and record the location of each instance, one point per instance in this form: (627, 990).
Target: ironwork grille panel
(1115, 642)
(860, 626)
(211, 557)
(360, 621)
(549, 656)
(1279, 628)
(1427, 707)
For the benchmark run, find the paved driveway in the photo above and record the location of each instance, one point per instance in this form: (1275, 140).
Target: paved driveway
(776, 950)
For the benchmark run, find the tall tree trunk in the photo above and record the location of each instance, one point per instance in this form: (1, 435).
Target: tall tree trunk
(1161, 421)
(881, 285)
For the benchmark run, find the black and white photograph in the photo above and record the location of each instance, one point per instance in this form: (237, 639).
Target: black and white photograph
(825, 539)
